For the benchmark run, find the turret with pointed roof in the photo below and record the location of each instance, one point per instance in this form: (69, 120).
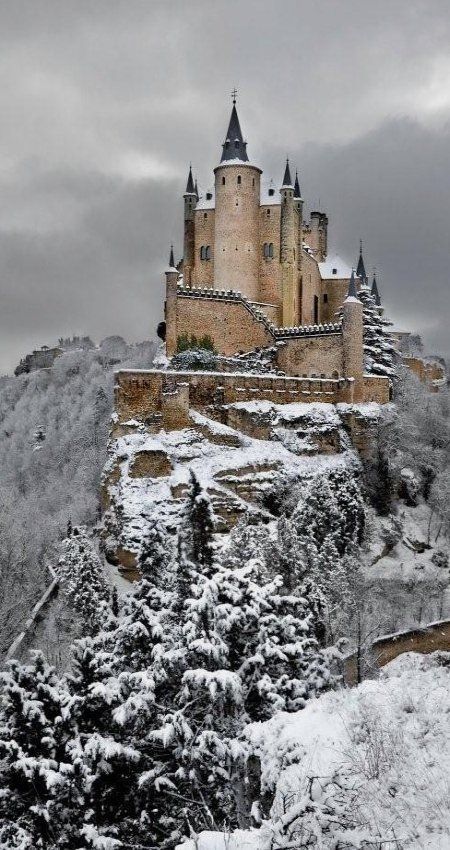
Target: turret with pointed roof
(361, 269)
(374, 291)
(297, 192)
(190, 188)
(287, 179)
(352, 291)
(234, 146)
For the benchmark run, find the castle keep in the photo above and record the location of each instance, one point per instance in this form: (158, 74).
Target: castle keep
(255, 275)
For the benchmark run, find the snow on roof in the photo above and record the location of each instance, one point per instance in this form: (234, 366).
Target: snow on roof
(207, 203)
(238, 162)
(269, 200)
(335, 267)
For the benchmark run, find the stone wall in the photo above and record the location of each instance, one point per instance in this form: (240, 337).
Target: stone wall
(317, 356)
(333, 292)
(428, 371)
(311, 283)
(139, 395)
(228, 322)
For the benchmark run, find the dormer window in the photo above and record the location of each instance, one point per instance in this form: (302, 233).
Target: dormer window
(334, 271)
(236, 143)
(271, 193)
(209, 196)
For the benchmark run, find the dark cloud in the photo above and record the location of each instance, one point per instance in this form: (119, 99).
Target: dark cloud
(104, 103)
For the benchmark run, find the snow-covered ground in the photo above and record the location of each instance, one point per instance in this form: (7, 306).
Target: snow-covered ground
(386, 742)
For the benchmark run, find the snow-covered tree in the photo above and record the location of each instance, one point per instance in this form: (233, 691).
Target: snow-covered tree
(83, 579)
(380, 354)
(198, 525)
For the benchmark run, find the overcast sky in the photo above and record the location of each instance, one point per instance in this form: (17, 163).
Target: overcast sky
(103, 103)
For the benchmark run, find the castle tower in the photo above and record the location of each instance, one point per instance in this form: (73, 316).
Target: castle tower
(190, 201)
(298, 205)
(236, 225)
(171, 306)
(352, 339)
(319, 234)
(288, 245)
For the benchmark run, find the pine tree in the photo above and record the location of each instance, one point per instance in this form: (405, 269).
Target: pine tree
(83, 580)
(198, 525)
(380, 355)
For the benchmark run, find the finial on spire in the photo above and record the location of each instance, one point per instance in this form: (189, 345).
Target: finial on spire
(233, 96)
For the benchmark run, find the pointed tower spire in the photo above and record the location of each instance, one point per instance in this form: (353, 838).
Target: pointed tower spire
(196, 190)
(352, 292)
(234, 146)
(374, 291)
(171, 258)
(287, 179)
(361, 269)
(297, 192)
(190, 189)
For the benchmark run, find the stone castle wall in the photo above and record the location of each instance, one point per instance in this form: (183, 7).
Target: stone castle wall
(203, 274)
(228, 322)
(306, 356)
(144, 395)
(270, 268)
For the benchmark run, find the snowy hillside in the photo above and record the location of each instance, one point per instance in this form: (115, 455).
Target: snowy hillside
(364, 765)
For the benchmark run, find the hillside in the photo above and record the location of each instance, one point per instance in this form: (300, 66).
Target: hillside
(53, 431)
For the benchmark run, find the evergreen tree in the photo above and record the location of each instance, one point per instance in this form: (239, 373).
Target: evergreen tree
(83, 580)
(380, 354)
(198, 525)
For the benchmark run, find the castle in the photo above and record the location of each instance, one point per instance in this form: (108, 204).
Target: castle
(255, 275)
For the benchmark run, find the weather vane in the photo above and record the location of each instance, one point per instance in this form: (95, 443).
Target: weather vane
(233, 95)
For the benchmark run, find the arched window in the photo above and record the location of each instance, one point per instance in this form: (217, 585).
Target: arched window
(268, 213)
(265, 250)
(208, 252)
(239, 180)
(223, 181)
(271, 250)
(203, 253)
(236, 143)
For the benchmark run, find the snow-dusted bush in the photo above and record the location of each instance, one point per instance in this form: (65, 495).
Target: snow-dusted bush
(195, 360)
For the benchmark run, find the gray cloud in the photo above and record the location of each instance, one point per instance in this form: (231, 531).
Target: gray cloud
(103, 105)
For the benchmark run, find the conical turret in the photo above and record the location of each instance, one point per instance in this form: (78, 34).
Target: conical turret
(234, 146)
(297, 192)
(287, 179)
(352, 291)
(374, 291)
(361, 269)
(190, 188)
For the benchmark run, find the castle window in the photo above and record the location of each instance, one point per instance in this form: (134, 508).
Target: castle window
(253, 182)
(271, 192)
(325, 299)
(239, 180)
(294, 253)
(271, 250)
(265, 250)
(223, 181)
(205, 215)
(203, 252)
(268, 213)
(334, 271)
(208, 252)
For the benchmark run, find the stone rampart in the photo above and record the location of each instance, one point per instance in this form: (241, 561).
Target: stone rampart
(143, 395)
